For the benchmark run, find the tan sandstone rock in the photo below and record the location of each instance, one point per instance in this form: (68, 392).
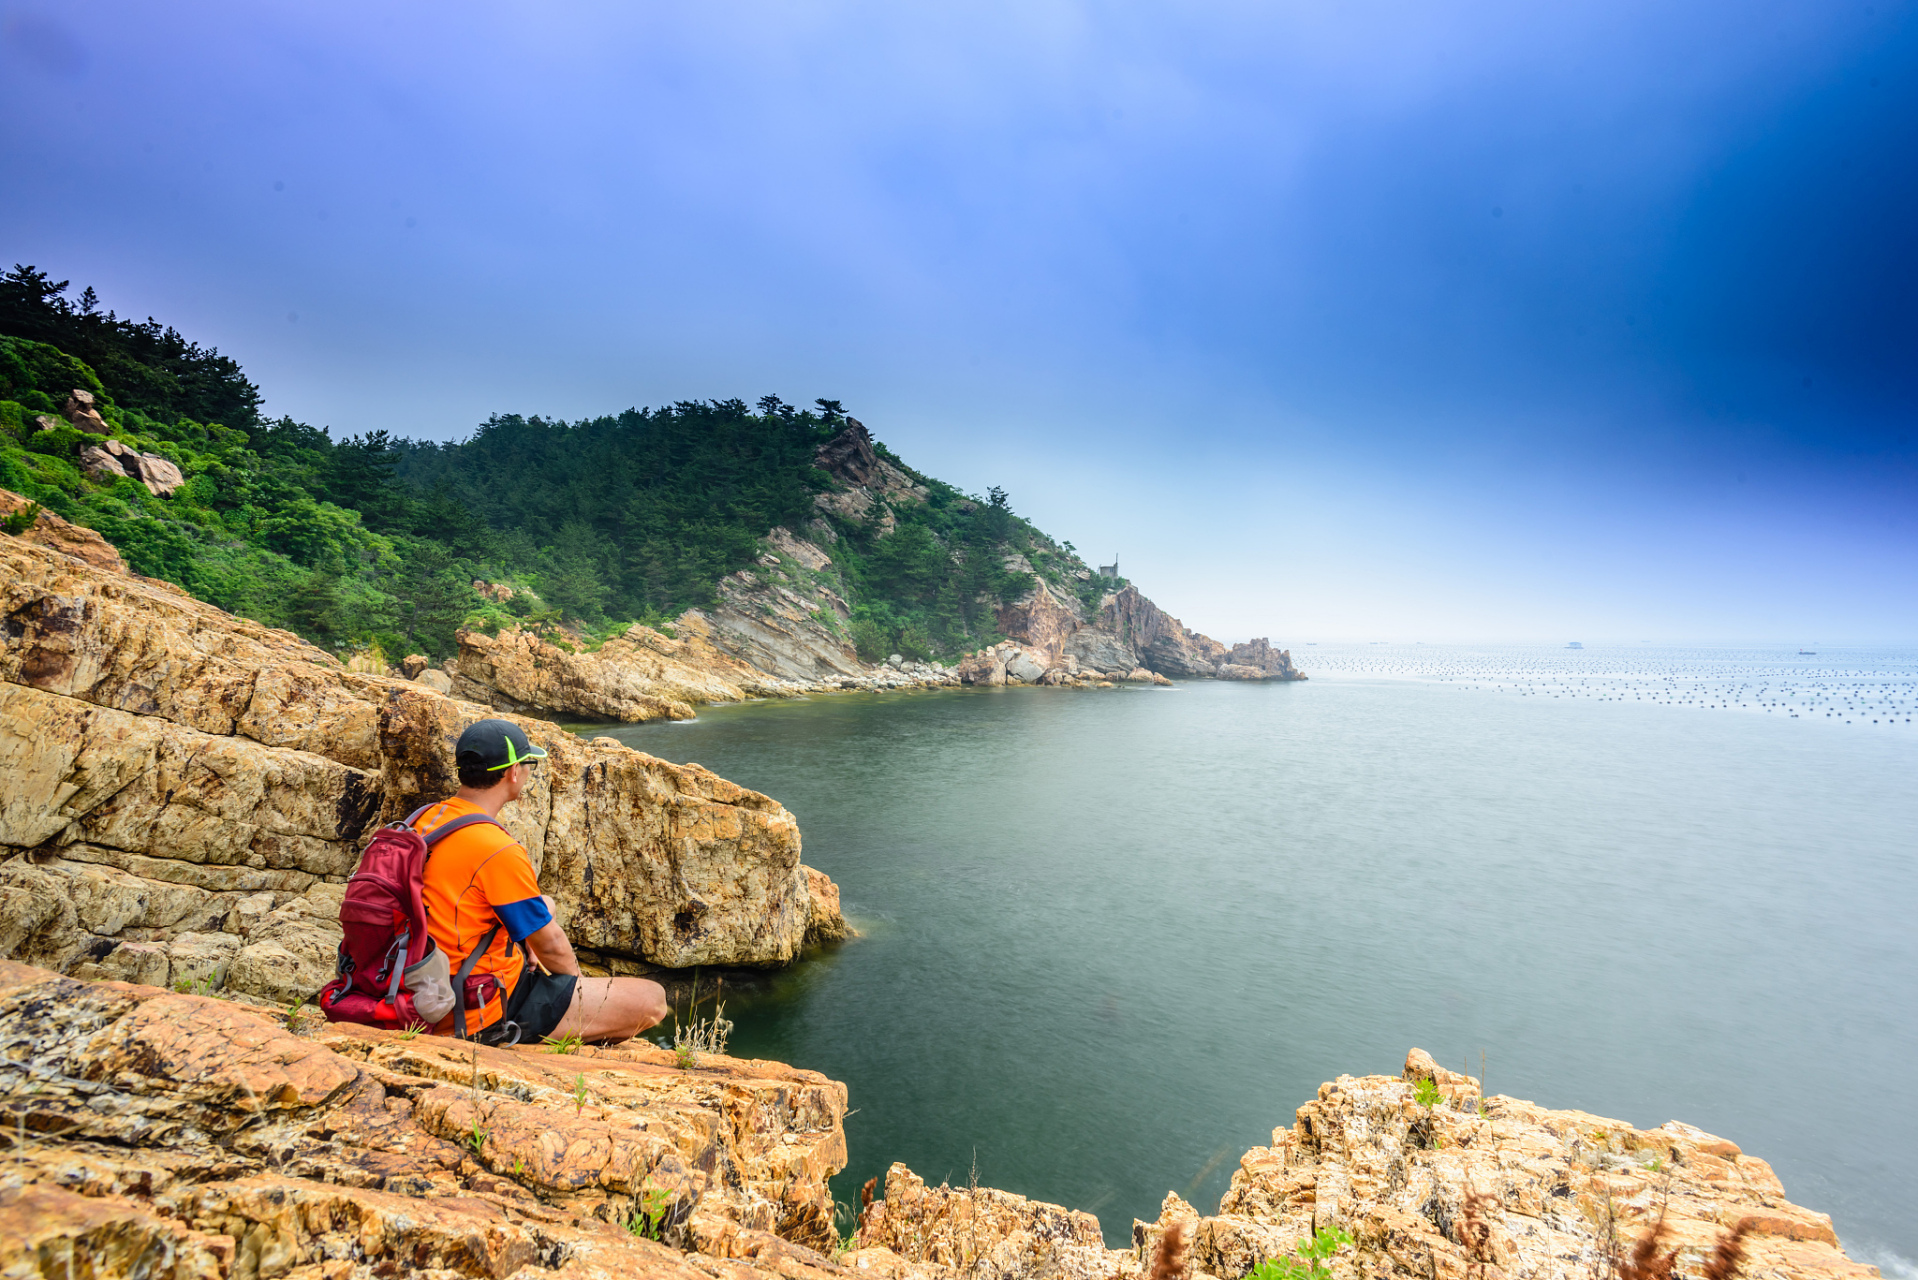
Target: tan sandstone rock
(82, 411)
(625, 679)
(1367, 1156)
(166, 760)
(163, 1134)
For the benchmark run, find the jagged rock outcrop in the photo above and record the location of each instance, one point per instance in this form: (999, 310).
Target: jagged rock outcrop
(868, 479)
(1128, 634)
(1552, 1188)
(156, 1134)
(192, 788)
(1469, 1188)
(1260, 657)
(922, 1231)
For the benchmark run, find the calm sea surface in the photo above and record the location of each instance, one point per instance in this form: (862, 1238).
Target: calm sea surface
(1113, 938)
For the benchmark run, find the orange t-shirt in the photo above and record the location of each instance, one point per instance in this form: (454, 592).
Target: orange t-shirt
(476, 878)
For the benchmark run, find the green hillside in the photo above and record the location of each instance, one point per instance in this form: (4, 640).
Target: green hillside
(356, 541)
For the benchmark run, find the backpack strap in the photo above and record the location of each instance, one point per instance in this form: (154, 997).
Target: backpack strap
(432, 838)
(446, 829)
(466, 970)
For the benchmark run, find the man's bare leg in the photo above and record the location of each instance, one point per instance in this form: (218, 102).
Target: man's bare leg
(611, 1009)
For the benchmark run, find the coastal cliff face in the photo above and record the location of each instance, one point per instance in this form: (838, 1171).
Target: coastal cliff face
(187, 792)
(1128, 639)
(157, 1134)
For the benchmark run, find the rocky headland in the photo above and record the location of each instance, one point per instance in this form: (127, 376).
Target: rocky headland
(782, 629)
(187, 792)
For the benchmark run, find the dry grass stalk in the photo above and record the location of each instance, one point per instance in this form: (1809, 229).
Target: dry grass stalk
(1645, 1262)
(1475, 1227)
(1730, 1254)
(1168, 1263)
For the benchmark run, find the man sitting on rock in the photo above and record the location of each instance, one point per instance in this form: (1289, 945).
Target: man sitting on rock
(479, 877)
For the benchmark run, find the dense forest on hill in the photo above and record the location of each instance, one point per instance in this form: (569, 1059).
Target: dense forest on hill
(369, 540)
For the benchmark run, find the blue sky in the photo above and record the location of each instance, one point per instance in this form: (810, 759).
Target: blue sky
(1375, 320)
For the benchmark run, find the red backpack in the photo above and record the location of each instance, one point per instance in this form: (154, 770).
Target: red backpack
(391, 972)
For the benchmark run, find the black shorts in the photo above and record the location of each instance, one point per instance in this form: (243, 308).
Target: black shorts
(538, 1003)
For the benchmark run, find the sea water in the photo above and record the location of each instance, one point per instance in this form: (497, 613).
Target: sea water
(1113, 938)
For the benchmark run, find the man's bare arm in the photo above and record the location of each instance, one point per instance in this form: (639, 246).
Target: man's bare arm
(548, 945)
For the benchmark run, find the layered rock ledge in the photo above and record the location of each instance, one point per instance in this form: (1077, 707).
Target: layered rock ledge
(153, 1134)
(187, 791)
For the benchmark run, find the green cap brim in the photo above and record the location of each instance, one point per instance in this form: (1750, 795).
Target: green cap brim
(513, 757)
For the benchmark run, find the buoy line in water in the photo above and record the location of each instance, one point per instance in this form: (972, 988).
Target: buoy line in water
(1854, 686)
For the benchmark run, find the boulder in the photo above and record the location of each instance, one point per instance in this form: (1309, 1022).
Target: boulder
(987, 667)
(100, 464)
(111, 459)
(145, 963)
(201, 960)
(412, 664)
(81, 411)
(160, 476)
(1025, 665)
(824, 923)
(437, 681)
(1099, 649)
(166, 760)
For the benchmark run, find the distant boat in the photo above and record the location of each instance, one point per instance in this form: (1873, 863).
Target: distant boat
(1808, 653)
(1574, 645)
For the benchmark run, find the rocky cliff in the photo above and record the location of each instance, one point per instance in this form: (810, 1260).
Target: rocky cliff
(1466, 1188)
(154, 1134)
(187, 791)
(778, 632)
(1055, 641)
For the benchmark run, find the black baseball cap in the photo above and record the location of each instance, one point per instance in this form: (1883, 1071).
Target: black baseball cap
(495, 744)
